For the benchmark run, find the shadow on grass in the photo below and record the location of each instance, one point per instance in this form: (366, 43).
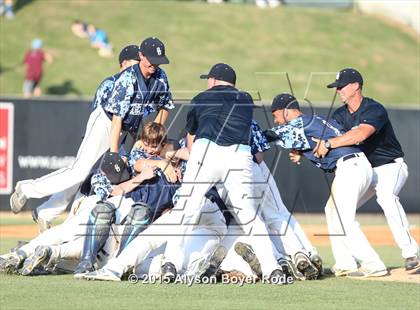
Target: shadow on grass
(19, 4)
(65, 88)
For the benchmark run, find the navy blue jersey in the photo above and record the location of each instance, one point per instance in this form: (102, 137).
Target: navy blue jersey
(221, 114)
(298, 133)
(157, 193)
(380, 148)
(103, 92)
(133, 97)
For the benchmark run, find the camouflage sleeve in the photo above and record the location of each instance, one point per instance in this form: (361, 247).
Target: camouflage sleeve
(102, 93)
(258, 141)
(135, 155)
(101, 186)
(292, 135)
(164, 100)
(120, 100)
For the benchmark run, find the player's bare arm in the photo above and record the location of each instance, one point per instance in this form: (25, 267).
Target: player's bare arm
(352, 137)
(163, 165)
(127, 186)
(115, 133)
(162, 116)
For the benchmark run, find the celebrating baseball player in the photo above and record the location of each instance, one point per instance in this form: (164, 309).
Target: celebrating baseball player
(138, 91)
(368, 126)
(58, 202)
(220, 120)
(353, 175)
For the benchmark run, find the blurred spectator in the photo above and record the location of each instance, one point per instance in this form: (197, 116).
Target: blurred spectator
(6, 8)
(33, 60)
(79, 29)
(99, 39)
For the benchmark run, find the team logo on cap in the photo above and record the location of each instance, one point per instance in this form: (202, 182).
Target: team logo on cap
(159, 51)
(117, 168)
(337, 76)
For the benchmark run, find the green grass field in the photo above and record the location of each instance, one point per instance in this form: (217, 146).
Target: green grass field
(64, 292)
(260, 44)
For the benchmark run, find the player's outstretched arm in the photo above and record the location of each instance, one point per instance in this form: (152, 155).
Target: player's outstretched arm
(351, 137)
(115, 133)
(161, 116)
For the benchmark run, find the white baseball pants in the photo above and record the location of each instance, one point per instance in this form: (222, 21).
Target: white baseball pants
(95, 142)
(348, 243)
(387, 182)
(231, 166)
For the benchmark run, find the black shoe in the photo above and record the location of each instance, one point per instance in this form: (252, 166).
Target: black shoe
(290, 270)
(215, 261)
(305, 266)
(40, 257)
(279, 278)
(247, 253)
(84, 267)
(12, 262)
(168, 271)
(316, 260)
(411, 263)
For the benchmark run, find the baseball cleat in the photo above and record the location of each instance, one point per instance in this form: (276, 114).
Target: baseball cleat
(290, 270)
(42, 255)
(215, 261)
(17, 199)
(11, 262)
(411, 263)
(101, 275)
(278, 277)
(316, 260)
(168, 271)
(247, 253)
(305, 266)
(366, 273)
(337, 272)
(83, 268)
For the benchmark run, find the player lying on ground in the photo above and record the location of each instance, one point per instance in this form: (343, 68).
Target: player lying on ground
(103, 188)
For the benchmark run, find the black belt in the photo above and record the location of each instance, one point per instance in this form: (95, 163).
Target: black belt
(350, 156)
(346, 157)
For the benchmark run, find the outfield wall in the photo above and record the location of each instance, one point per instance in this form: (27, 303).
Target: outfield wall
(44, 135)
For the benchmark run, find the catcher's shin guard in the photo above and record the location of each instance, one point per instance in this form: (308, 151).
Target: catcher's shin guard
(137, 220)
(97, 230)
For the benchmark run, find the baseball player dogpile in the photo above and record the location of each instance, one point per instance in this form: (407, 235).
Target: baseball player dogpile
(205, 208)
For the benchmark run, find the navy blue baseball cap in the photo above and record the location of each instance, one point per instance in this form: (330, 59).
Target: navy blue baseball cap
(130, 52)
(154, 50)
(221, 72)
(114, 168)
(345, 77)
(284, 101)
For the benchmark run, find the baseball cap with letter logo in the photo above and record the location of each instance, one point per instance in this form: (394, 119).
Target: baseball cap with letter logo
(114, 168)
(154, 50)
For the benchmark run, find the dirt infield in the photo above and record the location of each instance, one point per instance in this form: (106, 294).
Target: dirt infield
(399, 275)
(378, 235)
